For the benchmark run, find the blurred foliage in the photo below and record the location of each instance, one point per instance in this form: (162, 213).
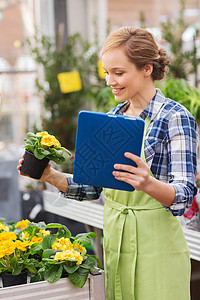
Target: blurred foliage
(182, 63)
(180, 91)
(60, 111)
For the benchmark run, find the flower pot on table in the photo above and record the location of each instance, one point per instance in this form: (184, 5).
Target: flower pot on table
(8, 279)
(32, 166)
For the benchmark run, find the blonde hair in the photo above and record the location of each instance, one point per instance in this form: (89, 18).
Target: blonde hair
(140, 48)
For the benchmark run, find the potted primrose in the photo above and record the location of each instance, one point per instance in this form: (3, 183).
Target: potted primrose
(44, 252)
(40, 148)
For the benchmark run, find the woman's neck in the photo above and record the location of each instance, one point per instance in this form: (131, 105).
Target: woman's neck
(139, 103)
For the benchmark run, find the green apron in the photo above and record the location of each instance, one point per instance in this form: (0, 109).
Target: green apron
(145, 253)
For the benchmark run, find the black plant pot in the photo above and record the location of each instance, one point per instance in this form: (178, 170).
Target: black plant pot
(33, 166)
(8, 279)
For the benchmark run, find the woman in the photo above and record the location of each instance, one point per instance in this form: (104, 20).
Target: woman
(145, 253)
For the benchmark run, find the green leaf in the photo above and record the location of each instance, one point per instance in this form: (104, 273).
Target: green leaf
(13, 262)
(63, 229)
(39, 225)
(35, 248)
(48, 252)
(17, 270)
(84, 238)
(88, 263)
(97, 260)
(92, 235)
(58, 153)
(51, 261)
(54, 273)
(57, 160)
(71, 269)
(66, 150)
(31, 134)
(48, 241)
(29, 148)
(31, 268)
(38, 154)
(45, 152)
(79, 277)
(38, 277)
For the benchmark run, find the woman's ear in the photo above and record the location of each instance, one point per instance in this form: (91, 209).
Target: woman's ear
(148, 69)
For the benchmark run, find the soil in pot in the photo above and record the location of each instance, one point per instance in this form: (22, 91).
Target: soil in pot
(33, 166)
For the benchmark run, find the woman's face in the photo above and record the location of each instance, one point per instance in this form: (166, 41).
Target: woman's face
(126, 81)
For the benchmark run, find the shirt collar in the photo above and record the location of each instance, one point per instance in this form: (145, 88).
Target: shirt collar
(154, 106)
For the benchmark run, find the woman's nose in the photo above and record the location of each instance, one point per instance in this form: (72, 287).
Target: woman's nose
(110, 80)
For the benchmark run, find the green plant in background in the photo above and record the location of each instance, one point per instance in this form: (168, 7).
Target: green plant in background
(104, 99)
(182, 63)
(60, 111)
(179, 90)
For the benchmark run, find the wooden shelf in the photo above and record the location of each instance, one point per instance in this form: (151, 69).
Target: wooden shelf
(63, 289)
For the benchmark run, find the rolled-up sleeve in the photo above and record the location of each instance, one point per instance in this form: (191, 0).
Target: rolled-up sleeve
(182, 160)
(81, 192)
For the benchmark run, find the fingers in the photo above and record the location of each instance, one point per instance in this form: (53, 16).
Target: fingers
(20, 164)
(134, 158)
(136, 176)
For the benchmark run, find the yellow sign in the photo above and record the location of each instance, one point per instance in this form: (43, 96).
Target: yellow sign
(101, 70)
(69, 82)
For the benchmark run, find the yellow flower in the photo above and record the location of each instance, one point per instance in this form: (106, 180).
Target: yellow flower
(44, 232)
(7, 247)
(7, 236)
(69, 254)
(79, 247)
(57, 143)
(22, 245)
(42, 133)
(62, 244)
(36, 239)
(50, 140)
(22, 224)
(4, 227)
(25, 235)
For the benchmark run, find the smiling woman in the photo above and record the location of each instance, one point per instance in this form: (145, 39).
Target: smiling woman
(145, 252)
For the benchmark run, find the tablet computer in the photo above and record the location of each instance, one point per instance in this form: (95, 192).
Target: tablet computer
(101, 141)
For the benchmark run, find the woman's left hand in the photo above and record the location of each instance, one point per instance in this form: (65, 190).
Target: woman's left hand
(138, 177)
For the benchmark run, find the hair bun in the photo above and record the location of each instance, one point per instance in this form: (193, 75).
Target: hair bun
(160, 65)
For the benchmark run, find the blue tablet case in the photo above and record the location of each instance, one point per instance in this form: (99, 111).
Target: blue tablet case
(101, 141)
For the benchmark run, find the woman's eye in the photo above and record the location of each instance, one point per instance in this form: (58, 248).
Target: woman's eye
(118, 73)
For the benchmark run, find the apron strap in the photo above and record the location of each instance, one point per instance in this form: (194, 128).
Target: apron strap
(126, 212)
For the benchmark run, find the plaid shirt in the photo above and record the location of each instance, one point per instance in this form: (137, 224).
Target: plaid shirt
(170, 150)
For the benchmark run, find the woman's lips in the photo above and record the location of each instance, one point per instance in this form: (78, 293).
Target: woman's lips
(117, 91)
